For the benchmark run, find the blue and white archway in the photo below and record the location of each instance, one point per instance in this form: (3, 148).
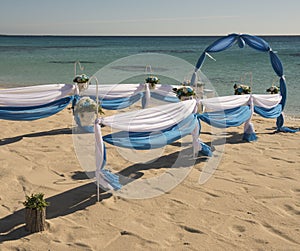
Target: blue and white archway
(256, 43)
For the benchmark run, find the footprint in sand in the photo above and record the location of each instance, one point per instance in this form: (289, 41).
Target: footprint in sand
(296, 190)
(278, 233)
(192, 230)
(292, 209)
(238, 228)
(282, 159)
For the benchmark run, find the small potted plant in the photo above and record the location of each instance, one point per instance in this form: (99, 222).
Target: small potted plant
(35, 212)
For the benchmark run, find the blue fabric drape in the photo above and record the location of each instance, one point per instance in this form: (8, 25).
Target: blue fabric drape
(164, 98)
(219, 45)
(241, 42)
(269, 113)
(110, 177)
(226, 118)
(283, 92)
(34, 112)
(279, 121)
(75, 100)
(222, 43)
(152, 140)
(255, 42)
(276, 64)
(120, 103)
(199, 64)
(249, 137)
(281, 128)
(205, 150)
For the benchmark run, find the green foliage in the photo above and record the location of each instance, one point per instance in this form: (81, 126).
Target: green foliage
(274, 89)
(184, 91)
(241, 89)
(36, 201)
(80, 79)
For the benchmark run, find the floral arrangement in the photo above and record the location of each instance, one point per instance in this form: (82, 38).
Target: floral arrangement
(35, 201)
(184, 91)
(241, 89)
(273, 89)
(81, 79)
(152, 80)
(86, 104)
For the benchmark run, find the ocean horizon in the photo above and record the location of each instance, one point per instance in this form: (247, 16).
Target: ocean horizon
(48, 59)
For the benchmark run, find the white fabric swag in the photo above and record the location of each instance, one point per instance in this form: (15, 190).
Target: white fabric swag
(151, 119)
(35, 95)
(127, 90)
(234, 101)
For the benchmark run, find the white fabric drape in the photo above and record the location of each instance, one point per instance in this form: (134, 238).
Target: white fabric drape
(234, 101)
(196, 141)
(126, 90)
(248, 126)
(147, 96)
(98, 145)
(35, 95)
(151, 119)
(266, 100)
(165, 90)
(114, 91)
(224, 103)
(99, 153)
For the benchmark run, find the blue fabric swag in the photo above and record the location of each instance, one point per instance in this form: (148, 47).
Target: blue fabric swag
(152, 140)
(34, 112)
(227, 118)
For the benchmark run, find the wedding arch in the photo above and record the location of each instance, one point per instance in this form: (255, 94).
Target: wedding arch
(259, 44)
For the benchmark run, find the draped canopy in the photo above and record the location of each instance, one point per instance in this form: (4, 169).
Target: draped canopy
(256, 43)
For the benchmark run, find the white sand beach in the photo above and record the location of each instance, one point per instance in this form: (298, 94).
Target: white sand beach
(251, 202)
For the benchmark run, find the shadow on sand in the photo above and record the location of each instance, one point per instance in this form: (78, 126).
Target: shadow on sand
(7, 141)
(12, 226)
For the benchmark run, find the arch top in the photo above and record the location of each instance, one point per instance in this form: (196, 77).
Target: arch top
(226, 42)
(253, 42)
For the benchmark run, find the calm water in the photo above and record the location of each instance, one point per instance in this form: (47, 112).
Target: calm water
(32, 60)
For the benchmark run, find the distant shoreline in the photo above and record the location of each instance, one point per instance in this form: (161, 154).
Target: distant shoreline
(136, 36)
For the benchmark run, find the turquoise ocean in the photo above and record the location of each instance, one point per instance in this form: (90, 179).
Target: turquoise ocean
(34, 60)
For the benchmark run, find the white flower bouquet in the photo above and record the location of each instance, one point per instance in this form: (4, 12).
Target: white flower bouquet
(273, 89)
(80, 79)
(152, 80)
(184, 92)
(86, 104)
(241, 89)
(85, 111)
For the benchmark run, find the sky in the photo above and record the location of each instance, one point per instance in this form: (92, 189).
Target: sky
(149, 17)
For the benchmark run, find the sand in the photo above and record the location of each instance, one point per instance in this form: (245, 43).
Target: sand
(251, 202)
